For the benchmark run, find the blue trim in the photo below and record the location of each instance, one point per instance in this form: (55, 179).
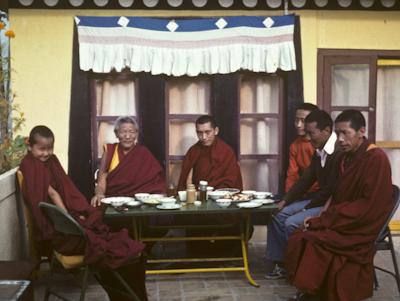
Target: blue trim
(186, 25)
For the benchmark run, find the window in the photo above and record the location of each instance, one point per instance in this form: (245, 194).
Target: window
(367, 80)
(111, 97)
(186, 100)
(260, 116)
(248, 108)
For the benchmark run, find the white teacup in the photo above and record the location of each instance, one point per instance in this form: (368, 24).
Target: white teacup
(182, 195)
(166, 201)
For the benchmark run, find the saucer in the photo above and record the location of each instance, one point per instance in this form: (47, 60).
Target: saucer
(169, 206)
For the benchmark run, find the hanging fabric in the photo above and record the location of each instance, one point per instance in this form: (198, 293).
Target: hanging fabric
(190, 47)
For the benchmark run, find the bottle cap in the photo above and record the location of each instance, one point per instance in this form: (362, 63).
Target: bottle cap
(203, 183)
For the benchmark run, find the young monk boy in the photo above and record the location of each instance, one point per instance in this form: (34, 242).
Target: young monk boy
(46, 181)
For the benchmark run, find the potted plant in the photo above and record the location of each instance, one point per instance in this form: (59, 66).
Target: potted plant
(12, 149)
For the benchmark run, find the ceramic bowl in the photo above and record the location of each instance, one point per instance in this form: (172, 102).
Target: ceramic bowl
(229, 190)
(142, 196)
(223, 203)
(262, 194)
(215, 195)
(118, 203)
(249, 192)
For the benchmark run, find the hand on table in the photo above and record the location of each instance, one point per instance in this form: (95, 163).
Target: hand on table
(96, 200)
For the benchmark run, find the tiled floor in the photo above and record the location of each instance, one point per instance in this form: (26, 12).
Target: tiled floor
(221, 286)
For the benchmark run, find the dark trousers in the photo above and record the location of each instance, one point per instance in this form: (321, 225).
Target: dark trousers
(134, 275)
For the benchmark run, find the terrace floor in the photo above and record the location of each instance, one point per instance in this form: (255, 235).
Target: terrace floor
(231, 286)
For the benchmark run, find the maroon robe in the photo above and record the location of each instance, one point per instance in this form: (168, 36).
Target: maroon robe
(104, 249)
(334, 258)
(137, 171)
(216, 164)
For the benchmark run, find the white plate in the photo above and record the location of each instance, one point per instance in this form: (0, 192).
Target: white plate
(249, 205)
(117, 199)
(133, 204)
(151, 202)
(264, 201)
(169, 206)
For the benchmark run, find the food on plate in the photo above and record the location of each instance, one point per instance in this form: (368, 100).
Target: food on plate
(239, 197)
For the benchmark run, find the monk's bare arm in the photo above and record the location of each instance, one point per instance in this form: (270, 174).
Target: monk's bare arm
(189, 179)
(56, 198)
(101, 186)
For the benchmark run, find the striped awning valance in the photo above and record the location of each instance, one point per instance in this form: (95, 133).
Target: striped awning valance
(186, 46)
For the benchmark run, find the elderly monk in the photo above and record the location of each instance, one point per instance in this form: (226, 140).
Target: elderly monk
(332, 258)
(210, 159)
(126, 167)
(301, 149)
(46, 181)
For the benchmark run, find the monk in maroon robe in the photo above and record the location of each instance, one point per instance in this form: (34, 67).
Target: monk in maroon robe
(126, 167)
(210, 159)
(332, 258)
(44, 180)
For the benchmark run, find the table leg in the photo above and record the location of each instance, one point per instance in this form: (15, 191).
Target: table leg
(244, 243)
(135, 229)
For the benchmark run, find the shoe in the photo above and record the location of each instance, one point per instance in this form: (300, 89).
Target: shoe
(277, 273)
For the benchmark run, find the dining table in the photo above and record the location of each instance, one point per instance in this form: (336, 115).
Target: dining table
(139, 217)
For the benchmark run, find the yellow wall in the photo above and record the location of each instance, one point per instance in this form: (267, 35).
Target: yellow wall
(42, 54)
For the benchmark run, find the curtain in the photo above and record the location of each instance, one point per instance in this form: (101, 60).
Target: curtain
(387, 112)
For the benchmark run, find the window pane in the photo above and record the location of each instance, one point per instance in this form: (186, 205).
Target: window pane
(259, 94)
(350, 84)
(182, 135)
(115, 98)
(105, 134)
(261, 175)
(388, 104)
(189, 96)
(259, 136)
(335, 114)
(174, 172)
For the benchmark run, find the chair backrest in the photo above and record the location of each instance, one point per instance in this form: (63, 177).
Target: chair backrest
(62, 221)
(396, 203)
(26, 221)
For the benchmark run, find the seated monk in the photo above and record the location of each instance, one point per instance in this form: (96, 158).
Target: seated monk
(210, 159)
(332, 258)
(46, 181)
(126, 167)
(301, 150)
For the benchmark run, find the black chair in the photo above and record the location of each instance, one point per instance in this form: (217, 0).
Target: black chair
(385, 242)
(64, 223)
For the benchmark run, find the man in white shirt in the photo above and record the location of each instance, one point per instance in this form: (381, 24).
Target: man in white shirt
(295, 206)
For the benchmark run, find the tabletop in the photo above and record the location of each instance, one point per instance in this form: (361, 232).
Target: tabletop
(209, 207)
